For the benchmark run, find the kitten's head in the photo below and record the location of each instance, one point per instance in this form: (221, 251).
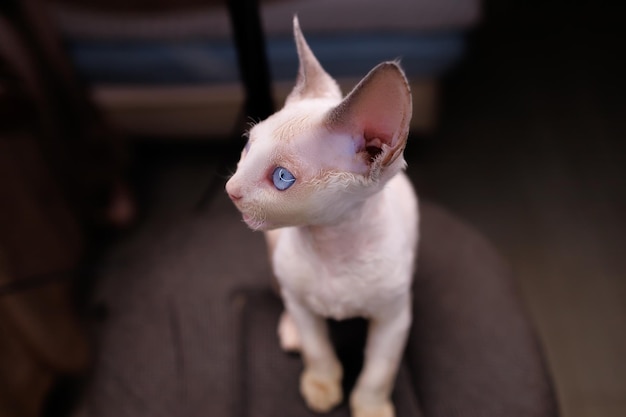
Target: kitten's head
(322, 155)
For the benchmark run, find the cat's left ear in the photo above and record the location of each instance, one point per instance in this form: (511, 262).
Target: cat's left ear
(313, 81)
(378, 110)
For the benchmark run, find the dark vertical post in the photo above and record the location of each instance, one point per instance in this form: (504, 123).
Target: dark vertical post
(245, 19)
(252, 55)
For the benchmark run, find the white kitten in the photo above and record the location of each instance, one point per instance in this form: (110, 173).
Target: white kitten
(323, 178)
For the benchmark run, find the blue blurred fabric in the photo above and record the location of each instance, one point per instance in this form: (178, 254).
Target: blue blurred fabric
(206, 61)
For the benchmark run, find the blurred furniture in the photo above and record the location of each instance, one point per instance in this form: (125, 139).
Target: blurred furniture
(172, 71)
(57, 166)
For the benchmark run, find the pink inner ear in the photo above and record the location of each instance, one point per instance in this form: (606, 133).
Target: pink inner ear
(379, 110)
(379, 107)
(380, 125)
(374, 145)
(381, 115)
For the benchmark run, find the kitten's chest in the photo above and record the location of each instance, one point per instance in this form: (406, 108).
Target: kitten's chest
(352, 283)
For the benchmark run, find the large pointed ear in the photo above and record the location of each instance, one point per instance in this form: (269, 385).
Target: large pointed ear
(312, 81)
(377, 114)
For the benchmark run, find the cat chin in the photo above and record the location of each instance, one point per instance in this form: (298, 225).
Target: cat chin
(253, 223)
(258, 225)
(264, 225)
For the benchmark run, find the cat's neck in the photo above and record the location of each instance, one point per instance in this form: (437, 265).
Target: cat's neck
(363, 223)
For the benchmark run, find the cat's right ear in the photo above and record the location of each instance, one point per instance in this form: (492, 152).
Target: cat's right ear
(313, 81)
(377, 112)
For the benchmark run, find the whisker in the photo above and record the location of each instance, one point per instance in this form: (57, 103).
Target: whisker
(251, 123)
(226, 176)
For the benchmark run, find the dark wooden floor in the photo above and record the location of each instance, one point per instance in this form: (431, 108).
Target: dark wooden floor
(532, 150)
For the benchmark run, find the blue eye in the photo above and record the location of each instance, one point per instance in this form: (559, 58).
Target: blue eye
(282, 178)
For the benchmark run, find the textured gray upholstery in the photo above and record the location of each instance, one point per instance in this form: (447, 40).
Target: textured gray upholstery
(191, 329)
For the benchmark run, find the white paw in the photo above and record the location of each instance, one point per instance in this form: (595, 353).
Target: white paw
(321, 392)
(371, 408)
(288, 334)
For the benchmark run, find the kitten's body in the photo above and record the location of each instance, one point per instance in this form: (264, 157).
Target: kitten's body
(323, 178)
(356, 268)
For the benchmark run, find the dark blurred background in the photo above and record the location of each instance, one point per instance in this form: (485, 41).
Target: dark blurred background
(120, 121)
(530, 149)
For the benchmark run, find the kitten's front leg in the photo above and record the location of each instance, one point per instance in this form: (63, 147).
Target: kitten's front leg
(320, 382)
(386, 340)
(288, 334)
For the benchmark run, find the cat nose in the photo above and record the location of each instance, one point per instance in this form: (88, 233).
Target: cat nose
(233, 191)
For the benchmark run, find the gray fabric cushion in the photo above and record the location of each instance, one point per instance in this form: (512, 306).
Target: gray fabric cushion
(191, 329)
(472, 349)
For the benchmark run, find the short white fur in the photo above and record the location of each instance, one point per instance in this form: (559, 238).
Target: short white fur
(343, 238)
